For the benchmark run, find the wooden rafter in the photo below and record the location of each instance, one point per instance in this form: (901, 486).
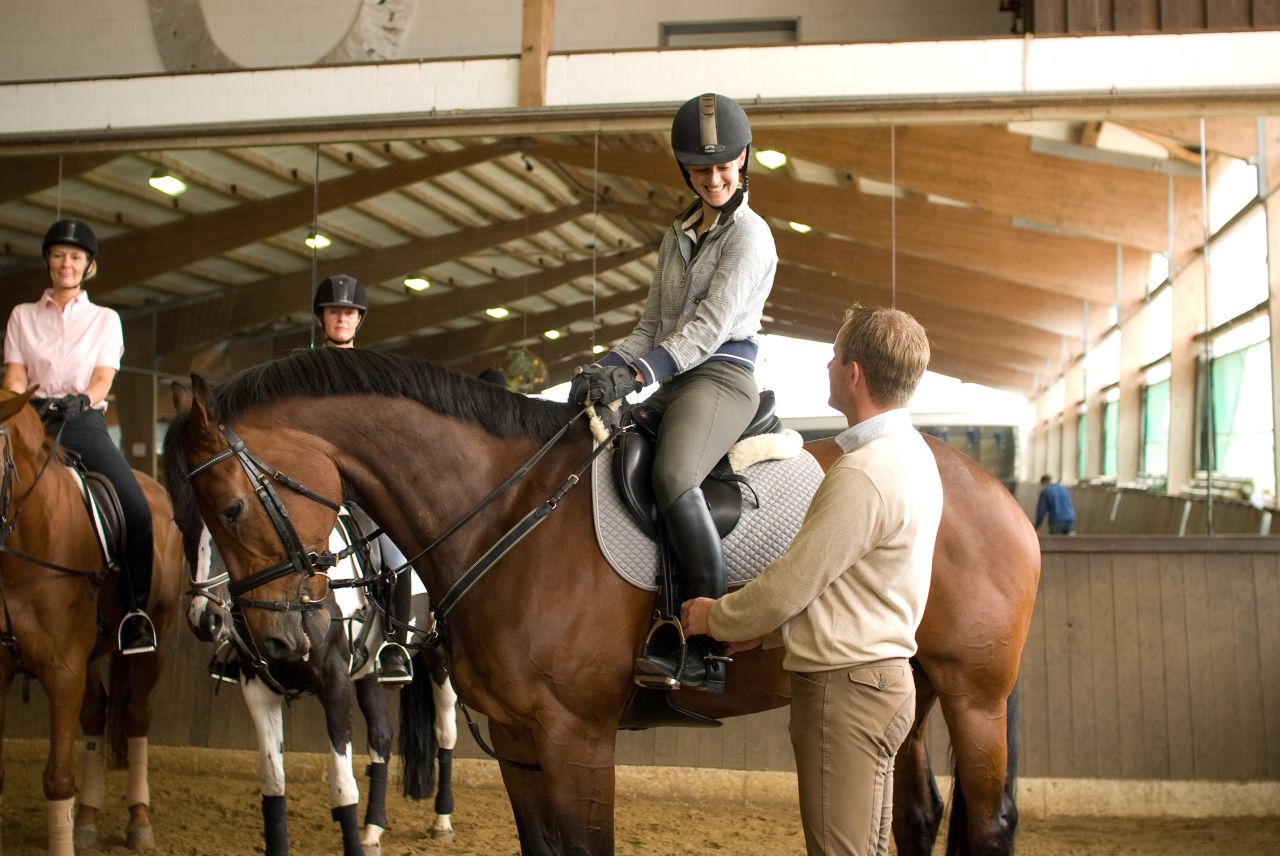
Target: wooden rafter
(967, 238)
(138, 256)
(260, 302)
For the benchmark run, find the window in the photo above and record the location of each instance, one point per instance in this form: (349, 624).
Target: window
(1110, 431)
(1239, 424)
(1155, 421)
(706, 34)
(1082, 424)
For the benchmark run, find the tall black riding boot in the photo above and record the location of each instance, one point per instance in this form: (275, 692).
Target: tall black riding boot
(696, 544)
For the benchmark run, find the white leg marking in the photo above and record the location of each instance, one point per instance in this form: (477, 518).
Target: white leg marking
(266, 710)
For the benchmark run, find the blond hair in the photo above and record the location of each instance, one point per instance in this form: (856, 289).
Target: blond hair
(891, 347)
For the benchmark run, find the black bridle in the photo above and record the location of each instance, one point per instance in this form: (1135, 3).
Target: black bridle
(301, 561)
(308, 563)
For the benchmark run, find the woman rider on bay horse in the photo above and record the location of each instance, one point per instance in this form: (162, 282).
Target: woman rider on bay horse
(697, 337)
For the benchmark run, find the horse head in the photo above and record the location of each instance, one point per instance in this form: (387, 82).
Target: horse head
(271, 529)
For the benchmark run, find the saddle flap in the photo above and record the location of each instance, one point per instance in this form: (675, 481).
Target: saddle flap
(633, 475)
(103, 506)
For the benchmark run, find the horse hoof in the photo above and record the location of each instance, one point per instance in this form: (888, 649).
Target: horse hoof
(373, 849)
(85, 838)
(140, 839)
(446, 835)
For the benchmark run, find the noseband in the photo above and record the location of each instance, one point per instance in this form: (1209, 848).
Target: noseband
(299, 560)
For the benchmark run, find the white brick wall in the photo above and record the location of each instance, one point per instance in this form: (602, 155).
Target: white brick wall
(42, 39)
(1119, 64)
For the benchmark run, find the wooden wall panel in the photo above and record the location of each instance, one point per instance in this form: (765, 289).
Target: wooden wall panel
(1138, 16)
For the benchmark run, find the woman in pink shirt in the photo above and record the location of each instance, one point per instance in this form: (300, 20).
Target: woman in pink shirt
(72, 348)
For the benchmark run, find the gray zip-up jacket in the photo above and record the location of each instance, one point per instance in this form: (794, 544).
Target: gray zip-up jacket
(706, 299)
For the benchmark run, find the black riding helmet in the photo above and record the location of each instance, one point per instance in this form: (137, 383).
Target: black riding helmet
(74, 232)
(710, 129)
(340, 290)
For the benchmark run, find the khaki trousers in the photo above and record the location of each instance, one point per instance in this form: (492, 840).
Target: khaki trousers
(846, 726)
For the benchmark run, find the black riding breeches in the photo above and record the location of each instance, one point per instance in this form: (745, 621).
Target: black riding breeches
(87, 437)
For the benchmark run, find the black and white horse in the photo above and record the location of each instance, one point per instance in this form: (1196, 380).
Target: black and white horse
(333, 672)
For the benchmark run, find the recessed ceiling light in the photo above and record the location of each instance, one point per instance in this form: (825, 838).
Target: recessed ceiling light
(497, 312)
(167, 183)
(317, 241)
(771, 159)
(597, 349)
(802, 228)
(552, 334)
(417, 284)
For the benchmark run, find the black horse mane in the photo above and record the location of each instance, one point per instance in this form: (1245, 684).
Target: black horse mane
(327, 372)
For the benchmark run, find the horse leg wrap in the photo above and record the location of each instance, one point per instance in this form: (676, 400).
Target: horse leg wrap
(92, 775)
(274, 827)
(376, 811)
(59, 814)
(137, 791)
(444, 785)
(346, 816)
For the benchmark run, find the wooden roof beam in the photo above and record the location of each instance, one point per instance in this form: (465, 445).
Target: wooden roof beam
(24, 175)
(133, 257)
(390, 321)
(966, 289)
(262, 301)
(962, 237)
(457, 344)
(997, 170)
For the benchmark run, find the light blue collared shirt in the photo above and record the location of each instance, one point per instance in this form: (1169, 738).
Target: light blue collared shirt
(859, 435)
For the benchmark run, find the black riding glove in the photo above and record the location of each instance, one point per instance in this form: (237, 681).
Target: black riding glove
(70, 407)
(601, 385)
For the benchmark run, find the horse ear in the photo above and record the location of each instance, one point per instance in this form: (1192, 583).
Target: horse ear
(10, 406)
(182, 398)
(204, 410)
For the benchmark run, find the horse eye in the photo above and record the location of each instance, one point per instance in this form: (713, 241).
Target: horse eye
(231, 514)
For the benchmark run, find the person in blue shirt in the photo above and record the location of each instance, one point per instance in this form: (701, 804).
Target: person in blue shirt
(1055, 504)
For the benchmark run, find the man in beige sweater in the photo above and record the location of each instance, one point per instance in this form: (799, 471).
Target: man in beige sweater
(846, 598)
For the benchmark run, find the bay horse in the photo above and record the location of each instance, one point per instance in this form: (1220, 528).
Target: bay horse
(58, 621)
(326, 674)
(543, 643)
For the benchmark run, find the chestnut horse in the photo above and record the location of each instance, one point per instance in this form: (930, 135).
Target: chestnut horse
(543, 643)
(52, 626)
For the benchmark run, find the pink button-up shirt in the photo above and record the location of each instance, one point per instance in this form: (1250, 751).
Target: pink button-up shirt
(61, 347)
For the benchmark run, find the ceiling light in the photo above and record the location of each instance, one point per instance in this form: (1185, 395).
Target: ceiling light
(597, 349)
(167, 183)
(802, 228)
(552, 334)
(771, 159)
(416, 284)
(497, 312)
(317, 241)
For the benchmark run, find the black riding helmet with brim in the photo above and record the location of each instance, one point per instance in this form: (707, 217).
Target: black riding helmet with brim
(340, 290)
(710, 129)
(75, 233)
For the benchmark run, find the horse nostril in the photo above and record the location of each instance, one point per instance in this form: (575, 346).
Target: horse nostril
(212, 625)
(277, 649)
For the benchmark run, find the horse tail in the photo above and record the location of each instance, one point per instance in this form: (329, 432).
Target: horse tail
(118, 685)
(418, 734)
(1007, 820)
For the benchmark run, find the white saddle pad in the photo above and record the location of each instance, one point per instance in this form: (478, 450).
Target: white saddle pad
(761, 536)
